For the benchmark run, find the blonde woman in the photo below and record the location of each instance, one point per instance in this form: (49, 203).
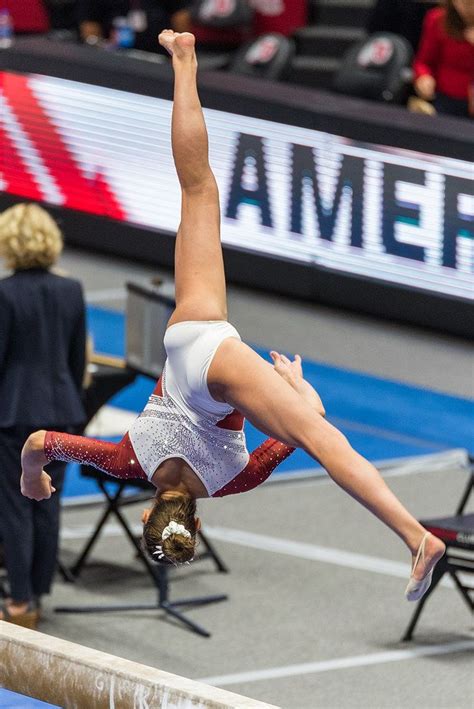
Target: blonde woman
(189, 440)
(42, 353)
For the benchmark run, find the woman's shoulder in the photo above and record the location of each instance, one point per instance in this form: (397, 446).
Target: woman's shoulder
(10, 287)
(27, 283)
(6, 293)
(434, 18)
(64, 280)
(5, 282)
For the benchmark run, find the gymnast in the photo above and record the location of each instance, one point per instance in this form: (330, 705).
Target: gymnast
(189, 441)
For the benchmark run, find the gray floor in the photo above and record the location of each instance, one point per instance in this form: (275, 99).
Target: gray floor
(298, 596)
(285, 609)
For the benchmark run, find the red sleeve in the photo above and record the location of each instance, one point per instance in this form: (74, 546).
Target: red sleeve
(262, 463)
(116, 459)
(427, 56)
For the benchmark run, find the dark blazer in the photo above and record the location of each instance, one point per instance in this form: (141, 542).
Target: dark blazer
(42, 350)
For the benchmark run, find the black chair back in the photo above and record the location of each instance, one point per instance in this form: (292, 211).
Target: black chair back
(376, 68)
(267, 57)
(222, 14)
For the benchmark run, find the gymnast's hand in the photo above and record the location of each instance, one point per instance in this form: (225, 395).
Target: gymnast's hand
(36, 487)
(292, 372)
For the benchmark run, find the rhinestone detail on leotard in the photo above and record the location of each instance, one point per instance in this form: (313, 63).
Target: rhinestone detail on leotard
(117, 459)
(164, 431)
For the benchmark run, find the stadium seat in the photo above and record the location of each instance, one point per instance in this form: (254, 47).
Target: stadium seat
(376, 68)
(267, 57)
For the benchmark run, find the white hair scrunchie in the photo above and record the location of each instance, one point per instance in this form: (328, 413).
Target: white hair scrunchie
(175, 528)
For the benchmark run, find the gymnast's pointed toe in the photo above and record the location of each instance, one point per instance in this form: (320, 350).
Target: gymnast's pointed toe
(429, 553)
(416, 589)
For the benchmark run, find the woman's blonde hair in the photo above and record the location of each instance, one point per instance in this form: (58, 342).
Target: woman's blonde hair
(29, 237)
(177, 548)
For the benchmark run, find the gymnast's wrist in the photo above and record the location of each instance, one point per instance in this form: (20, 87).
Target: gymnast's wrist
(31, 474)
(33, 455)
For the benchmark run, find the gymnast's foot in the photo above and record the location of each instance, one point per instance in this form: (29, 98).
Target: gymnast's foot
(427, 555)
(179, 44)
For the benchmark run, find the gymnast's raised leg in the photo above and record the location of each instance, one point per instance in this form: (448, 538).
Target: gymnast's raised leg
(199, 266)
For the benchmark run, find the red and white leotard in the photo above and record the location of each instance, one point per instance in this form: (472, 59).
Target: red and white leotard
(182, 420)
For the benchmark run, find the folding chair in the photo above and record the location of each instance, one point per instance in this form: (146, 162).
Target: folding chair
(115, 500)
(457, 532)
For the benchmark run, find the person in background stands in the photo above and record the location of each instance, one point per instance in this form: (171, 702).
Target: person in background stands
(62, 15)
(283, 16)
(29, 16)
(444, 63)
(147, 17)
(403, 17)
(42, 360)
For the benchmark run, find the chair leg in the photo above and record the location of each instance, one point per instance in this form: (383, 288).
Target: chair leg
(77, 568)
(66, 573)
(152, 570)
(211, 552)
(463, 590)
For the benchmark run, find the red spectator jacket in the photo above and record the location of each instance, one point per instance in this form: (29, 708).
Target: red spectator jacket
(284, 16)
(27, 15)
(449, 61)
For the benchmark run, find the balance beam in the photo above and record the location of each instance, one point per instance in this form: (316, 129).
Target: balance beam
(74, 676)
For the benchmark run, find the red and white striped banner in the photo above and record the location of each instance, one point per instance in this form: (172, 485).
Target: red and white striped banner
(374, 211)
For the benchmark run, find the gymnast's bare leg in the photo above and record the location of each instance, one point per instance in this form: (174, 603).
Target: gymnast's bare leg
(199, 266)
(238, 375)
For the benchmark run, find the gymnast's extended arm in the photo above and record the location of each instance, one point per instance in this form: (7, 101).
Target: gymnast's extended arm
(116, 459)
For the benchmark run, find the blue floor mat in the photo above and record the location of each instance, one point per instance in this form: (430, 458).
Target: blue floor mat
(12, 700)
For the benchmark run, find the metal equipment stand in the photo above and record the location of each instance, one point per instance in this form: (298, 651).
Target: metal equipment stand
(158, 574)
